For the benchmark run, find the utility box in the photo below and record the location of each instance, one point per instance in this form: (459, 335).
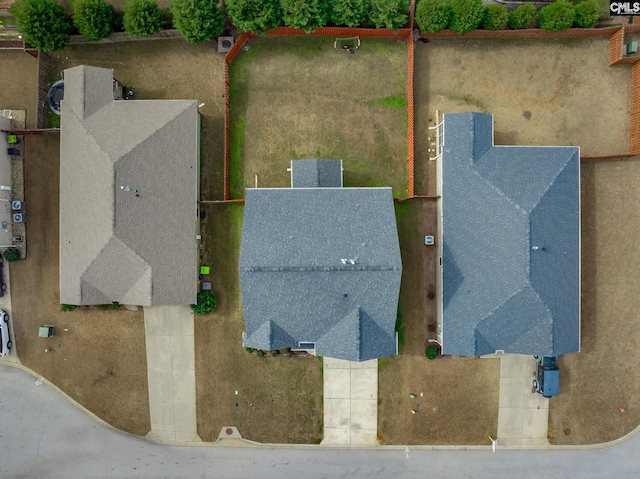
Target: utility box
(632, 47)
(547, 381)
(45, 331)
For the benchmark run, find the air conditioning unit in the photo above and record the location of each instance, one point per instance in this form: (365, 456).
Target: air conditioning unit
(225, 43)
(16, 205)
(18, 217)
(429, 240)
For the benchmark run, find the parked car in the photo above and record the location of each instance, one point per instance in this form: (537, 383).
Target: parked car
(5, 342)
(3, 285)
(547, 381)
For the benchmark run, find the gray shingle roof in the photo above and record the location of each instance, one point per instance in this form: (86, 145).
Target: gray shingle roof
(294, 279)
(115, 246)
(511, 243)
(316, 172)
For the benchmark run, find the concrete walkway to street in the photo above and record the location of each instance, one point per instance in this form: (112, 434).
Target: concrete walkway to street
(523, 415)
(171, 373)
(350, 402)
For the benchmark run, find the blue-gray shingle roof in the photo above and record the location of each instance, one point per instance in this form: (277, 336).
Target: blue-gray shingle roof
(297, 275)
(511, 243)
(316, 172)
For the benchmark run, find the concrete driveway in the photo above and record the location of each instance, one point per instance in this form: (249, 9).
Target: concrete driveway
(350, 402)
(171, 373)
(523, 415)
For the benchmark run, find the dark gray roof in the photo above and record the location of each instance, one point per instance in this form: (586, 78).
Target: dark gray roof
(315, 173)
(511, 243)
(298, 283)
(115, 246)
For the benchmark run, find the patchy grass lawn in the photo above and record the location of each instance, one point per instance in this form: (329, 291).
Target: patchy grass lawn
(279, 399)
(297, 98)
(96, 357)
(168, 69)
(460, 395)
(602, 378)
(19, 78)
(541, 92)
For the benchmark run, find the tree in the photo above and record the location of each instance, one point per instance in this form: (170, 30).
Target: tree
(206, 303)
(43, 24)
(495, 16)
(433, 15)
(586, 14)
(254, 15)
(556, 17)
(94, 19)
(466, 15)
(142, 18)
(197, 21)
(349, 12)
(391, 14)
(306, 15)
(11, 254)
(521, 17)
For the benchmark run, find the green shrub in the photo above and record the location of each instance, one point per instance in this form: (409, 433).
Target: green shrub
(198, 21)
(431, 352)
(274, 353)
(556, 17)
(586, 14)
(43, 24)
(349, 12)
(260, 353)
(466, 15)
(521, 17)
(206, 303)
(142, 18)
(254, 15)
(433, 15)
(68, 307)
(495, 16)
(307, 15)
(250, 350)
(391, 14)
(11, 254)
(94, 19)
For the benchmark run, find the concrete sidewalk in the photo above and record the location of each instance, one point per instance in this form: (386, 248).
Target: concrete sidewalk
(350, 402)
(523, 415)
(171, 373)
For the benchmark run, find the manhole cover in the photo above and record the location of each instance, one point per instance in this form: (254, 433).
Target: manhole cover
(229, 431)
(567, 431)
(226, 43)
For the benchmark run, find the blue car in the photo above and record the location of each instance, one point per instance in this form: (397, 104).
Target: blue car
(547, 381)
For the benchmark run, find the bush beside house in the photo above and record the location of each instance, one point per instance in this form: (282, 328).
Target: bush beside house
(466, 15)
(256, 16)
(586, 14)
(556, 17)
(307, 15)
(433, 16)
(495, 17)
(391, 14)
(350, 13)
(521, 17)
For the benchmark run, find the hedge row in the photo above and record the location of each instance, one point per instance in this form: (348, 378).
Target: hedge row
(462, 16)
(46, 25)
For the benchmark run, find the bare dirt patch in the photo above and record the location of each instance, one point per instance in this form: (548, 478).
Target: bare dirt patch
(602, 378)
(460, 395)
(172, 70)
(279, 399)
(19, 78)
(541, 92)
(97, 357)
(299, 98)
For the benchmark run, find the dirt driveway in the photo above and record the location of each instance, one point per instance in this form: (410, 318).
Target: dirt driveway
(97, 357)
(541, 92)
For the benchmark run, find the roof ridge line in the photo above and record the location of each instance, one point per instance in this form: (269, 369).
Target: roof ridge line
(303, 269)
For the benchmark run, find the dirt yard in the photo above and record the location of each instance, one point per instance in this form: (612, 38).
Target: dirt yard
(603, 377)
(97, 357)
(299, 98)
(279, 399)
(19, 78)
(460, 396)
(168, 69)
(541, 92)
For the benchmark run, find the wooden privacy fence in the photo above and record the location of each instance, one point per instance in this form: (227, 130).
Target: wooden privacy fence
(44, 78)
(323, 32)
(125, 37)
(529, 33)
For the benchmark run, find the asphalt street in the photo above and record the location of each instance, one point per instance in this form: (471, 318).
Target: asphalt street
(43, 435)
